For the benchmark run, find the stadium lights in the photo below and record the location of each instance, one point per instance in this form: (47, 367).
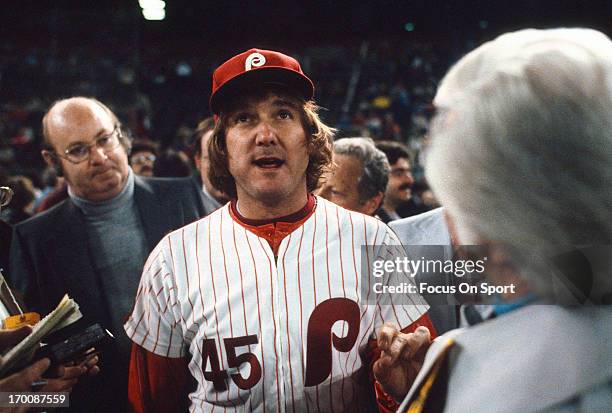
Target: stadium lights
(153, 9)
(154, 14)
(152, 4)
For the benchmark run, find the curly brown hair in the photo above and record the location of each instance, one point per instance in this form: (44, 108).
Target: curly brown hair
(319, 140)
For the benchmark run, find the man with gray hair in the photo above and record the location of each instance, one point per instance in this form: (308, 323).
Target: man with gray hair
(526, 120)
(359, 177)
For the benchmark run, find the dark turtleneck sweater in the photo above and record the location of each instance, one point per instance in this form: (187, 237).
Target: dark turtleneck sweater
(118, 248)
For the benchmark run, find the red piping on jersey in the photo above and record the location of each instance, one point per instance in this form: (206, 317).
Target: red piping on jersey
(276, 229)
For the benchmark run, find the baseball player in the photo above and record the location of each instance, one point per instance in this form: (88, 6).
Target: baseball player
(261, 299)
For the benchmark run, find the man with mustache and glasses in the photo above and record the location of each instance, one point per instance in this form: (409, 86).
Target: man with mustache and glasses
(262, 298)
(143, 156)
(94, 244)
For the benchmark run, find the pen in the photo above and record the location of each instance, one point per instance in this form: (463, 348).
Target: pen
(37, 384)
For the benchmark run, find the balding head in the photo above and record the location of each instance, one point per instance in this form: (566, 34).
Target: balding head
(67, 113)
(86, 126)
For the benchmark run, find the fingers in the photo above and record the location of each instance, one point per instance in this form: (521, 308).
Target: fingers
(401, 358)
(419, 343)
(382, 367)
(402, 345)
(8, 338)
(393, 377)
(91, 365)
(91, 362)
(394, 343)
(73, 372)
(391, 369)
(22, 380)
(422, 338)
(61, 384)
(385, 336)
(35, 371)
(70, 375)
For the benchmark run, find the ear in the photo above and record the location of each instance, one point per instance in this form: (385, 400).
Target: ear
(50, 160)
(126, 142)
(196, 160)
(372, 204)
(125, 139)
(53, 161)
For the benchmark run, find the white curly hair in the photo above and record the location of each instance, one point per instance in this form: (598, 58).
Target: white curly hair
(521, 146)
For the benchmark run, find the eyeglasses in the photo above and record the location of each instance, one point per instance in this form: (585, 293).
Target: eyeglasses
(6, 194)
(82, 151)
(141, 159)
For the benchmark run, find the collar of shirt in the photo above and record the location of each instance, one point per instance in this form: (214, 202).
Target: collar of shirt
(93, 209)
(209, 200)
(276, 229)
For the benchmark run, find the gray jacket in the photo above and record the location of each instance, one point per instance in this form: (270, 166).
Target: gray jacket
(418, 234)
(540, 358)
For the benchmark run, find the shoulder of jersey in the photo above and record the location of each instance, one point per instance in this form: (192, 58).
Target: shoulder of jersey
(190, 228)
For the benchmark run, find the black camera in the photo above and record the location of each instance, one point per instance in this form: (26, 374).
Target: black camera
(74, 348)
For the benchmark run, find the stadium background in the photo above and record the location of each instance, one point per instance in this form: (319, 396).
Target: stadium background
(375, 64)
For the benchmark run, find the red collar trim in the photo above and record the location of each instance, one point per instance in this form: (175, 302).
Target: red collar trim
(275, 230)
(306, 211)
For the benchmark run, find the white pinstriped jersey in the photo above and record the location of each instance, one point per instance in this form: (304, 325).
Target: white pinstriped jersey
(267, 334)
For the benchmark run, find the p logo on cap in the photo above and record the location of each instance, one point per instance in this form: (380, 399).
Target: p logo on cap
(257, 67)
(254, 59)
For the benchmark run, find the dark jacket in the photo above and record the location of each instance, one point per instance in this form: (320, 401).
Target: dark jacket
(50, 257)
(6, 295)
(5, 245)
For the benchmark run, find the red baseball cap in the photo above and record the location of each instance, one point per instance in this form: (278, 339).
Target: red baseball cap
(255, 66)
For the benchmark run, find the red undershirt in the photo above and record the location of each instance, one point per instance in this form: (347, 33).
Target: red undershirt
(276, 229)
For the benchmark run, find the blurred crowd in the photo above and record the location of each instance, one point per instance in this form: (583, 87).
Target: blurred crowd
(380, 89)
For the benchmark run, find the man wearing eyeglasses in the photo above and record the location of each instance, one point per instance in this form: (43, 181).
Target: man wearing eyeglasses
(93, 245)
(142, 157)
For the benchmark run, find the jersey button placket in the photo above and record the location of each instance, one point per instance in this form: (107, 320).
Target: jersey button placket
(279, 321)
